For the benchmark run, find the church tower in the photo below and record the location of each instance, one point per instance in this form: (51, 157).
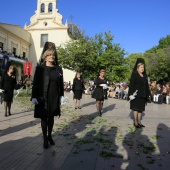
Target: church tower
(46, 12)
(46, 25)
(46, 7)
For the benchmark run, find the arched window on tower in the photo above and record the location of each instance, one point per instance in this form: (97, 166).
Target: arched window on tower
(50, 7)
(42, 8)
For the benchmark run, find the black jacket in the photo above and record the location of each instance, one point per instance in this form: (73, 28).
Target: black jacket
(40, 90)
(8, 84)
(139, 83)
(78, 85)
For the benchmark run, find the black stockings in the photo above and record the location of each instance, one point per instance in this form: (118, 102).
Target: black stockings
(99, 105)
(7, 106)
(47, 126)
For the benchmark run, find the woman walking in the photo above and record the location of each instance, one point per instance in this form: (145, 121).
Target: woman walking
(7, 86)
(98, 93)
(138, 84)
(47, 91)
(78, 88)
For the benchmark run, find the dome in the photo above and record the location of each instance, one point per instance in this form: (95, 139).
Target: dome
(73, 31)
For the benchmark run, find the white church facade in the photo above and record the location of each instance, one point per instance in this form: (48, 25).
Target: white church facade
(27, 43)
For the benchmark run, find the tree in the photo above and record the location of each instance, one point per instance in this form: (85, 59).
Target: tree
(88, 55)
(130, 62)
(158, 65)
(163, 43)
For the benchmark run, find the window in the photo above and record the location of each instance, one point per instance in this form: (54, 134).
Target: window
(24, 55)
(45, 23)
(50, 7)
(44, 39)
(14, 51)
(1, 46)
(42, 8)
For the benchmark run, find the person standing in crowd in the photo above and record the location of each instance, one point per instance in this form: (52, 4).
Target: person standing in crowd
(153, 89)
(139, 84)
(7, 86)
(47, 91)
(167, 93)
(158, 93)
(5, 62)
(28, 84)
(98, 93)
(78, 88)
(105, 93)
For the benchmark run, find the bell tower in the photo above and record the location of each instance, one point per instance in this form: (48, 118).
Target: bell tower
(46, 25)
(46, 7)
(46, 11)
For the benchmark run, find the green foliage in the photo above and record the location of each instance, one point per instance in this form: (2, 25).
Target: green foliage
(157, 65)
(163, 43)
(88, 55)
(130, 62)
(157, 61)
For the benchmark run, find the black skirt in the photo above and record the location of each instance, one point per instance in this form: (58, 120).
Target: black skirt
(138, 104)
(78, 94)
(98, 93)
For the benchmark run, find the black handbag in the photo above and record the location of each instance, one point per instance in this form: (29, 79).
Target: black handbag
(41, 101)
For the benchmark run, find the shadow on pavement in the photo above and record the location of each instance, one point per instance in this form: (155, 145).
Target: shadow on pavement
(108, 108)
(88, 104)
(139, 149)
(18, 128)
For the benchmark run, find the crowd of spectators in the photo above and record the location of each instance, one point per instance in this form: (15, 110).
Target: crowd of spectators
(13, 55)
(26, 84)
(160, 93)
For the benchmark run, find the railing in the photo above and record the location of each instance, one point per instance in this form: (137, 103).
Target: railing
(12, 58)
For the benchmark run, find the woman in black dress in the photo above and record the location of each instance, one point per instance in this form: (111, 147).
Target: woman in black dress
(98, 93)
(7, 86)
(47, 91)
(139, 83)
(78, 88)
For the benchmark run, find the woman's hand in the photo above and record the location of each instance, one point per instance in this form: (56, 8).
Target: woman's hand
(62, 100)
(34, 101)
(131, 97)
(1, 90)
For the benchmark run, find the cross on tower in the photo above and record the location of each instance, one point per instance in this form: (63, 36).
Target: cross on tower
(71, 18)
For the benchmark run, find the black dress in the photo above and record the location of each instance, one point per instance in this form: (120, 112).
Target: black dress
(47, 89)
(98, 92)
(141, 84)
(52, 94)
(78, 87)
(8, 84)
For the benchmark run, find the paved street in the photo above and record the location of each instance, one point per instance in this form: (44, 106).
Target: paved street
(85, 141)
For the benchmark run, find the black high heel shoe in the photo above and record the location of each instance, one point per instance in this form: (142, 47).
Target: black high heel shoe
(137, 126)
(51, 141)
(141, 125)
(45, 143)
(100, 113)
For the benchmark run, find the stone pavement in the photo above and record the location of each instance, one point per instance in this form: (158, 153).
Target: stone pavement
(85, 141)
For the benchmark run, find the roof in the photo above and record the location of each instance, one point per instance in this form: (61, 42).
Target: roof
(16, 30)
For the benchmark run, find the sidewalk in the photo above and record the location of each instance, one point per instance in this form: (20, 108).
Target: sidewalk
(85, 141)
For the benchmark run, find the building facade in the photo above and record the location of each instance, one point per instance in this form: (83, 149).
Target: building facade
(45, 25)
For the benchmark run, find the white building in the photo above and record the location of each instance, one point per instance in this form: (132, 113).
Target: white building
(45, 25)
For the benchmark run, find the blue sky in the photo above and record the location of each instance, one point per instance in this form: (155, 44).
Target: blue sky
(137, 25)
